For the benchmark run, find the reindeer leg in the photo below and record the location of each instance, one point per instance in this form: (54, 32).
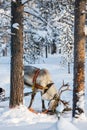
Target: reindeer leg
(32, 98)
(43, 104)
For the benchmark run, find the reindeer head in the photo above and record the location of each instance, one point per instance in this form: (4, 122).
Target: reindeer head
(56, 101)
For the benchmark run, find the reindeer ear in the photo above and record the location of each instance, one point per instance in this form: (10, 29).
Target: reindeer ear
(49, 85)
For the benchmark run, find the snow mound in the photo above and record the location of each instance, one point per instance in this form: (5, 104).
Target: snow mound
(21, 115)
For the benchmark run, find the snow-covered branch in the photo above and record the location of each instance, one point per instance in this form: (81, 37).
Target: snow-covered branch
(25, 2)
(36, 15)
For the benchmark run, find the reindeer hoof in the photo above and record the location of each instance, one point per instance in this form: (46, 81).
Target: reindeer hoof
(50, 112)
(44, 109)
(32, 110)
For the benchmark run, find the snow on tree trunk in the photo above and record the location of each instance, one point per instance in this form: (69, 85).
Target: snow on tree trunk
(16, 89)
(79, 59)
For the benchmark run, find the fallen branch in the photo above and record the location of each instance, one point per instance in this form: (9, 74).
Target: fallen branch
(7, 98)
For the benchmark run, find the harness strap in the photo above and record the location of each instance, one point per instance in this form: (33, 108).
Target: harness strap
(36, 74)
(35, 85)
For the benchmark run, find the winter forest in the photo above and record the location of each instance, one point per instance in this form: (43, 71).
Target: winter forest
(37, 34)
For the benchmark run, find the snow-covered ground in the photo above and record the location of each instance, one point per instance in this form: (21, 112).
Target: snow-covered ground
(22, 118)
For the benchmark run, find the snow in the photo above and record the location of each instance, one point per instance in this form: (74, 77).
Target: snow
(14, 0)
(81, 99)
(16, 26)
(21, 118)
(85, 30)
(1, 11)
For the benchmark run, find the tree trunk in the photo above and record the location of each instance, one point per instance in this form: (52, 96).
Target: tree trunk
(46, 51)
(79, 59)
(68, 67)
(17, 83)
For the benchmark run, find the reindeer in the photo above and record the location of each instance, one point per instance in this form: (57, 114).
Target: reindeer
(40, 80)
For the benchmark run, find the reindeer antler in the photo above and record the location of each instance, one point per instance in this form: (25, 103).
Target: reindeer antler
(63, 88)
(65, 103)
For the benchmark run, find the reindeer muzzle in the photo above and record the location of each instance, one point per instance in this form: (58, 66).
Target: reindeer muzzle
(54, 103)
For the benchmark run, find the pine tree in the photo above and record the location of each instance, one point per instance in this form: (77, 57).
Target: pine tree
(16, 87)
(79, 58)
